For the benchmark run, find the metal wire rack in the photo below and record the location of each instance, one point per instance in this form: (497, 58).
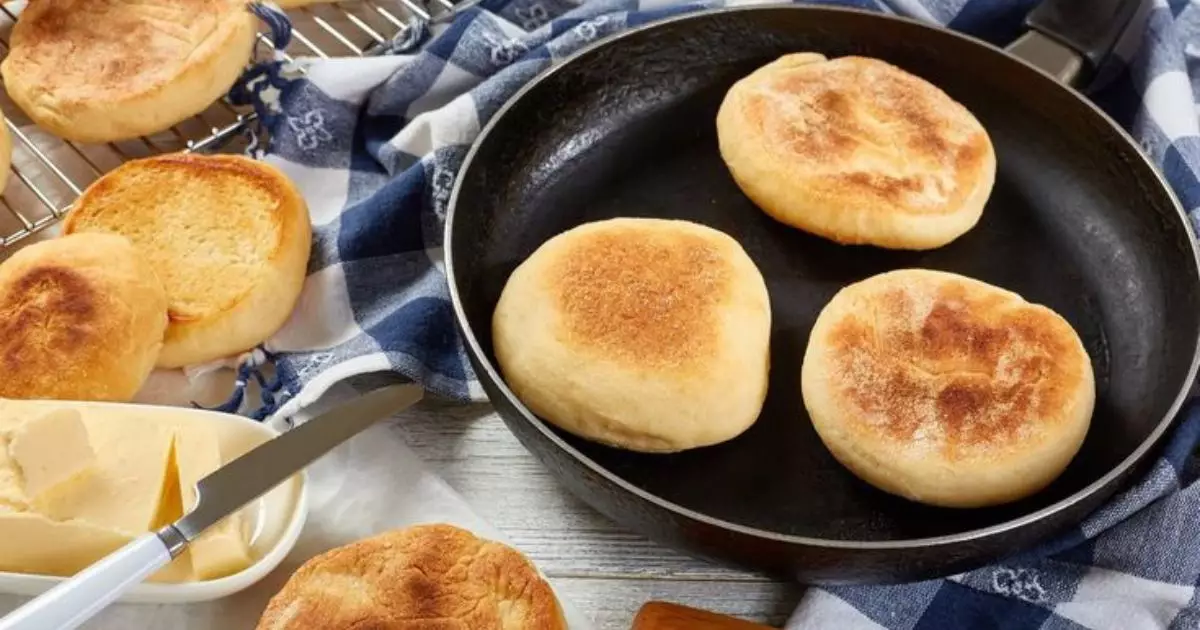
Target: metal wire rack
(49, 173)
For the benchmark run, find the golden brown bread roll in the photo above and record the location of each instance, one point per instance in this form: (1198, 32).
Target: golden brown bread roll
(228, 235)
(857, 151)
(645, 334)
(425, 576)
(6, 150)
(947, 390)
(105, 70)
(81, 318)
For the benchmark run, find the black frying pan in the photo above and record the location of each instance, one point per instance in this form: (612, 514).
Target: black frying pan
(1078, 220)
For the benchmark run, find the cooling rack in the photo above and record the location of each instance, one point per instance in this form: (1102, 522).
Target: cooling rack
(49, 173)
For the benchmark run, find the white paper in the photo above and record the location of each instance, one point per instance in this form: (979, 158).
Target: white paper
(368, 485)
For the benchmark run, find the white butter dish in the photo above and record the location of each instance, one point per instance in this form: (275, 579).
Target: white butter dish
(275, 519)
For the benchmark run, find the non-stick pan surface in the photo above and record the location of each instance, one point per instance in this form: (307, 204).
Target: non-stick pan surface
(1078, 220)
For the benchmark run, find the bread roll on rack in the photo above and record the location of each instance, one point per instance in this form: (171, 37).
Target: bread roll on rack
(107, 70)
(230, 236)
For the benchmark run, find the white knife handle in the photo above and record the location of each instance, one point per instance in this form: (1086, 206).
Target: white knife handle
(74, 601)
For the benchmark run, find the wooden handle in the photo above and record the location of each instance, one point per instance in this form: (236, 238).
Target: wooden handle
(668, 616)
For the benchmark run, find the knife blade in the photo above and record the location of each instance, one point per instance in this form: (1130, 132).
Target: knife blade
(251, 475)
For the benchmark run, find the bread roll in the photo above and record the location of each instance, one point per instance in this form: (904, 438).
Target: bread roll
(645, 334)
(105, 70)
(81, 318)
(6, 151)
(857, 151)
(947, 390)
(425, 576)
(229, 236)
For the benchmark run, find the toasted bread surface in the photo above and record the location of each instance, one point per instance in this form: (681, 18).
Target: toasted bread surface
(645, 334)
(81, 318)
(856, 150)
(6, 149)
(945, 389)
(229, 236)
(106, 70)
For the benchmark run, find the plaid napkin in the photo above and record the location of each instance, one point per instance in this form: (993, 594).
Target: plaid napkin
(375, 145)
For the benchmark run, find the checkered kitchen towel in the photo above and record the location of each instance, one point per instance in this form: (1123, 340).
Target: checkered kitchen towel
(375, 145)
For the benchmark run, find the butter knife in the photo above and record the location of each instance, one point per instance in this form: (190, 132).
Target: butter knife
(72, 602)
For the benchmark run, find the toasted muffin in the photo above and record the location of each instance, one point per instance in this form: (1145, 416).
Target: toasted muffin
(947, 390)
(228, 235)
(425, 576)
(857, 151)
(645, 334)
(106, 70)
(6, 150)
(81, 318)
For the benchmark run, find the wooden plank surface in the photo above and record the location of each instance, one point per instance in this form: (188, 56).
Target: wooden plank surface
(607, 572)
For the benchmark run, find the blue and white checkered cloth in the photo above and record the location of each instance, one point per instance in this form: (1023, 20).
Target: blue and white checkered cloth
(375, 144)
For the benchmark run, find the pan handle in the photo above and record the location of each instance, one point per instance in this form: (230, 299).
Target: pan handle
(1071, 38)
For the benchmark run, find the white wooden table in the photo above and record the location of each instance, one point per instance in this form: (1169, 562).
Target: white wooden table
(606, 571)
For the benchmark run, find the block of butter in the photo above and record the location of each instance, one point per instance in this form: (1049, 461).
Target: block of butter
(221, 549)
(74, 488)
(50, 450)
(128, 481)
(40, 455)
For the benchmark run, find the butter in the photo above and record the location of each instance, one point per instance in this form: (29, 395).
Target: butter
(222, 549)
(125, 490)
(32, 543)
(75, 486)
(45, 452)
(12, 490)
(50, 450)
(169, 510)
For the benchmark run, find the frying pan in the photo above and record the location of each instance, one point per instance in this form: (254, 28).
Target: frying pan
(1079, 220)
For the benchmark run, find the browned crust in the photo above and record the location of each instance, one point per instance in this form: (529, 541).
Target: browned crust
(80, 319)
(833, 118)
(196, 167)
(643, 296)
(108, 49)
(976, 368)
(48, 310)
(426, 576)
(90, 212)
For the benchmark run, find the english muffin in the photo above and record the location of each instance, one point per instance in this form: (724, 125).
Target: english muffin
(6, 150)
(81, 318)
(947, 390)
(644, 334)
(857, 151)
(228, 235)
(106, 70)
(425, 576)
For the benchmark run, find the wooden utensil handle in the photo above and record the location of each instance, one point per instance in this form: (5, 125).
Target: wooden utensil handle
(668, 616)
